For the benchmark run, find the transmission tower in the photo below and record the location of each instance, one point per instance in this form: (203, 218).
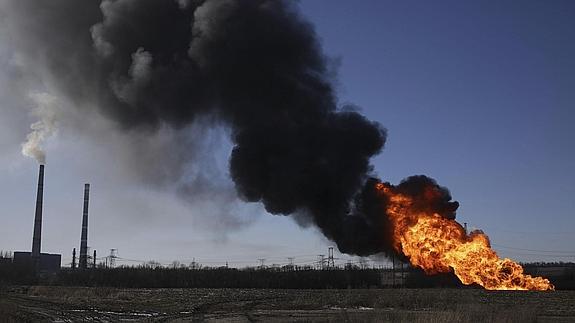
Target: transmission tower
(321, 261)
(290, 265)
(330, 259)
(363, 263)
(112, 257)
(262, 262)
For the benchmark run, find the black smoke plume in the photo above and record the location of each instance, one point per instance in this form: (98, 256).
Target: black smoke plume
(255, 66)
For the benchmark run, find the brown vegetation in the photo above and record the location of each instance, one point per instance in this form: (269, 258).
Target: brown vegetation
(182, 305)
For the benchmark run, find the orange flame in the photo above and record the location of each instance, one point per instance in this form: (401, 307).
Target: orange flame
(439, 245)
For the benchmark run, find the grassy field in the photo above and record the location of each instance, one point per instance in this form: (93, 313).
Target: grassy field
(77, 304)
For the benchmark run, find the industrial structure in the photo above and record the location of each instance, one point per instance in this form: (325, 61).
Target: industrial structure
(41, 262)
(83, 263)
(50, 263)
(37, 236)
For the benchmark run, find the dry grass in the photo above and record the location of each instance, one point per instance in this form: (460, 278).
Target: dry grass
(389, 305)
(9, 312)
(465, 314)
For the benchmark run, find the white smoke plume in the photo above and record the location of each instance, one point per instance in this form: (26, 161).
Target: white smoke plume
(45, 109)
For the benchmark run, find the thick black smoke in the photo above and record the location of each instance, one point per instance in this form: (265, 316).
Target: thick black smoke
(255, 65)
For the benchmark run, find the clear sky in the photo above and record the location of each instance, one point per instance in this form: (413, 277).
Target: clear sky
(479, 95)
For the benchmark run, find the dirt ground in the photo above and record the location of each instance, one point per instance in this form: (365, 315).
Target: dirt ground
(79, 304)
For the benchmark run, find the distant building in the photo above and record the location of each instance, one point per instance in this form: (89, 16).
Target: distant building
(49, 263)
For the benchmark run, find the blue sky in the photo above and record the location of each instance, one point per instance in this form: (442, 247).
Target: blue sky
(479, 95)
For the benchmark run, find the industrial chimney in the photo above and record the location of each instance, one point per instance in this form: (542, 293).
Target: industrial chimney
(74, 258)
(37, 237)
(83, 263)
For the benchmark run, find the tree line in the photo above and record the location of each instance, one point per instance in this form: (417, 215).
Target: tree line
(287, 277)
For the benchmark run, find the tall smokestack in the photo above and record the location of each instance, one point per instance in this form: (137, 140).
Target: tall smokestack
(37, 237)
(74, 258)
(83, 264)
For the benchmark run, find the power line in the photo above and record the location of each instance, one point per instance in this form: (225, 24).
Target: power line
(534, 250)
(530, 232)
(540, 255)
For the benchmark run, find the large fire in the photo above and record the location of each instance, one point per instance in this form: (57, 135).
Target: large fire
(439, 245)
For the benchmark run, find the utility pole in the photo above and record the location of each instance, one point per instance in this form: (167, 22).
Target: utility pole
(94, 265)
(393, 270)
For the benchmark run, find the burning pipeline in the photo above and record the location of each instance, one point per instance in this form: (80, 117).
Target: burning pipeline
(438, 244)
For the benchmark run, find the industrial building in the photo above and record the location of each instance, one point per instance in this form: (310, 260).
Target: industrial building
(48, 262)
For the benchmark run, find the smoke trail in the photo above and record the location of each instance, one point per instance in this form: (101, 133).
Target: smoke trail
(45, 110)
(255, 67)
